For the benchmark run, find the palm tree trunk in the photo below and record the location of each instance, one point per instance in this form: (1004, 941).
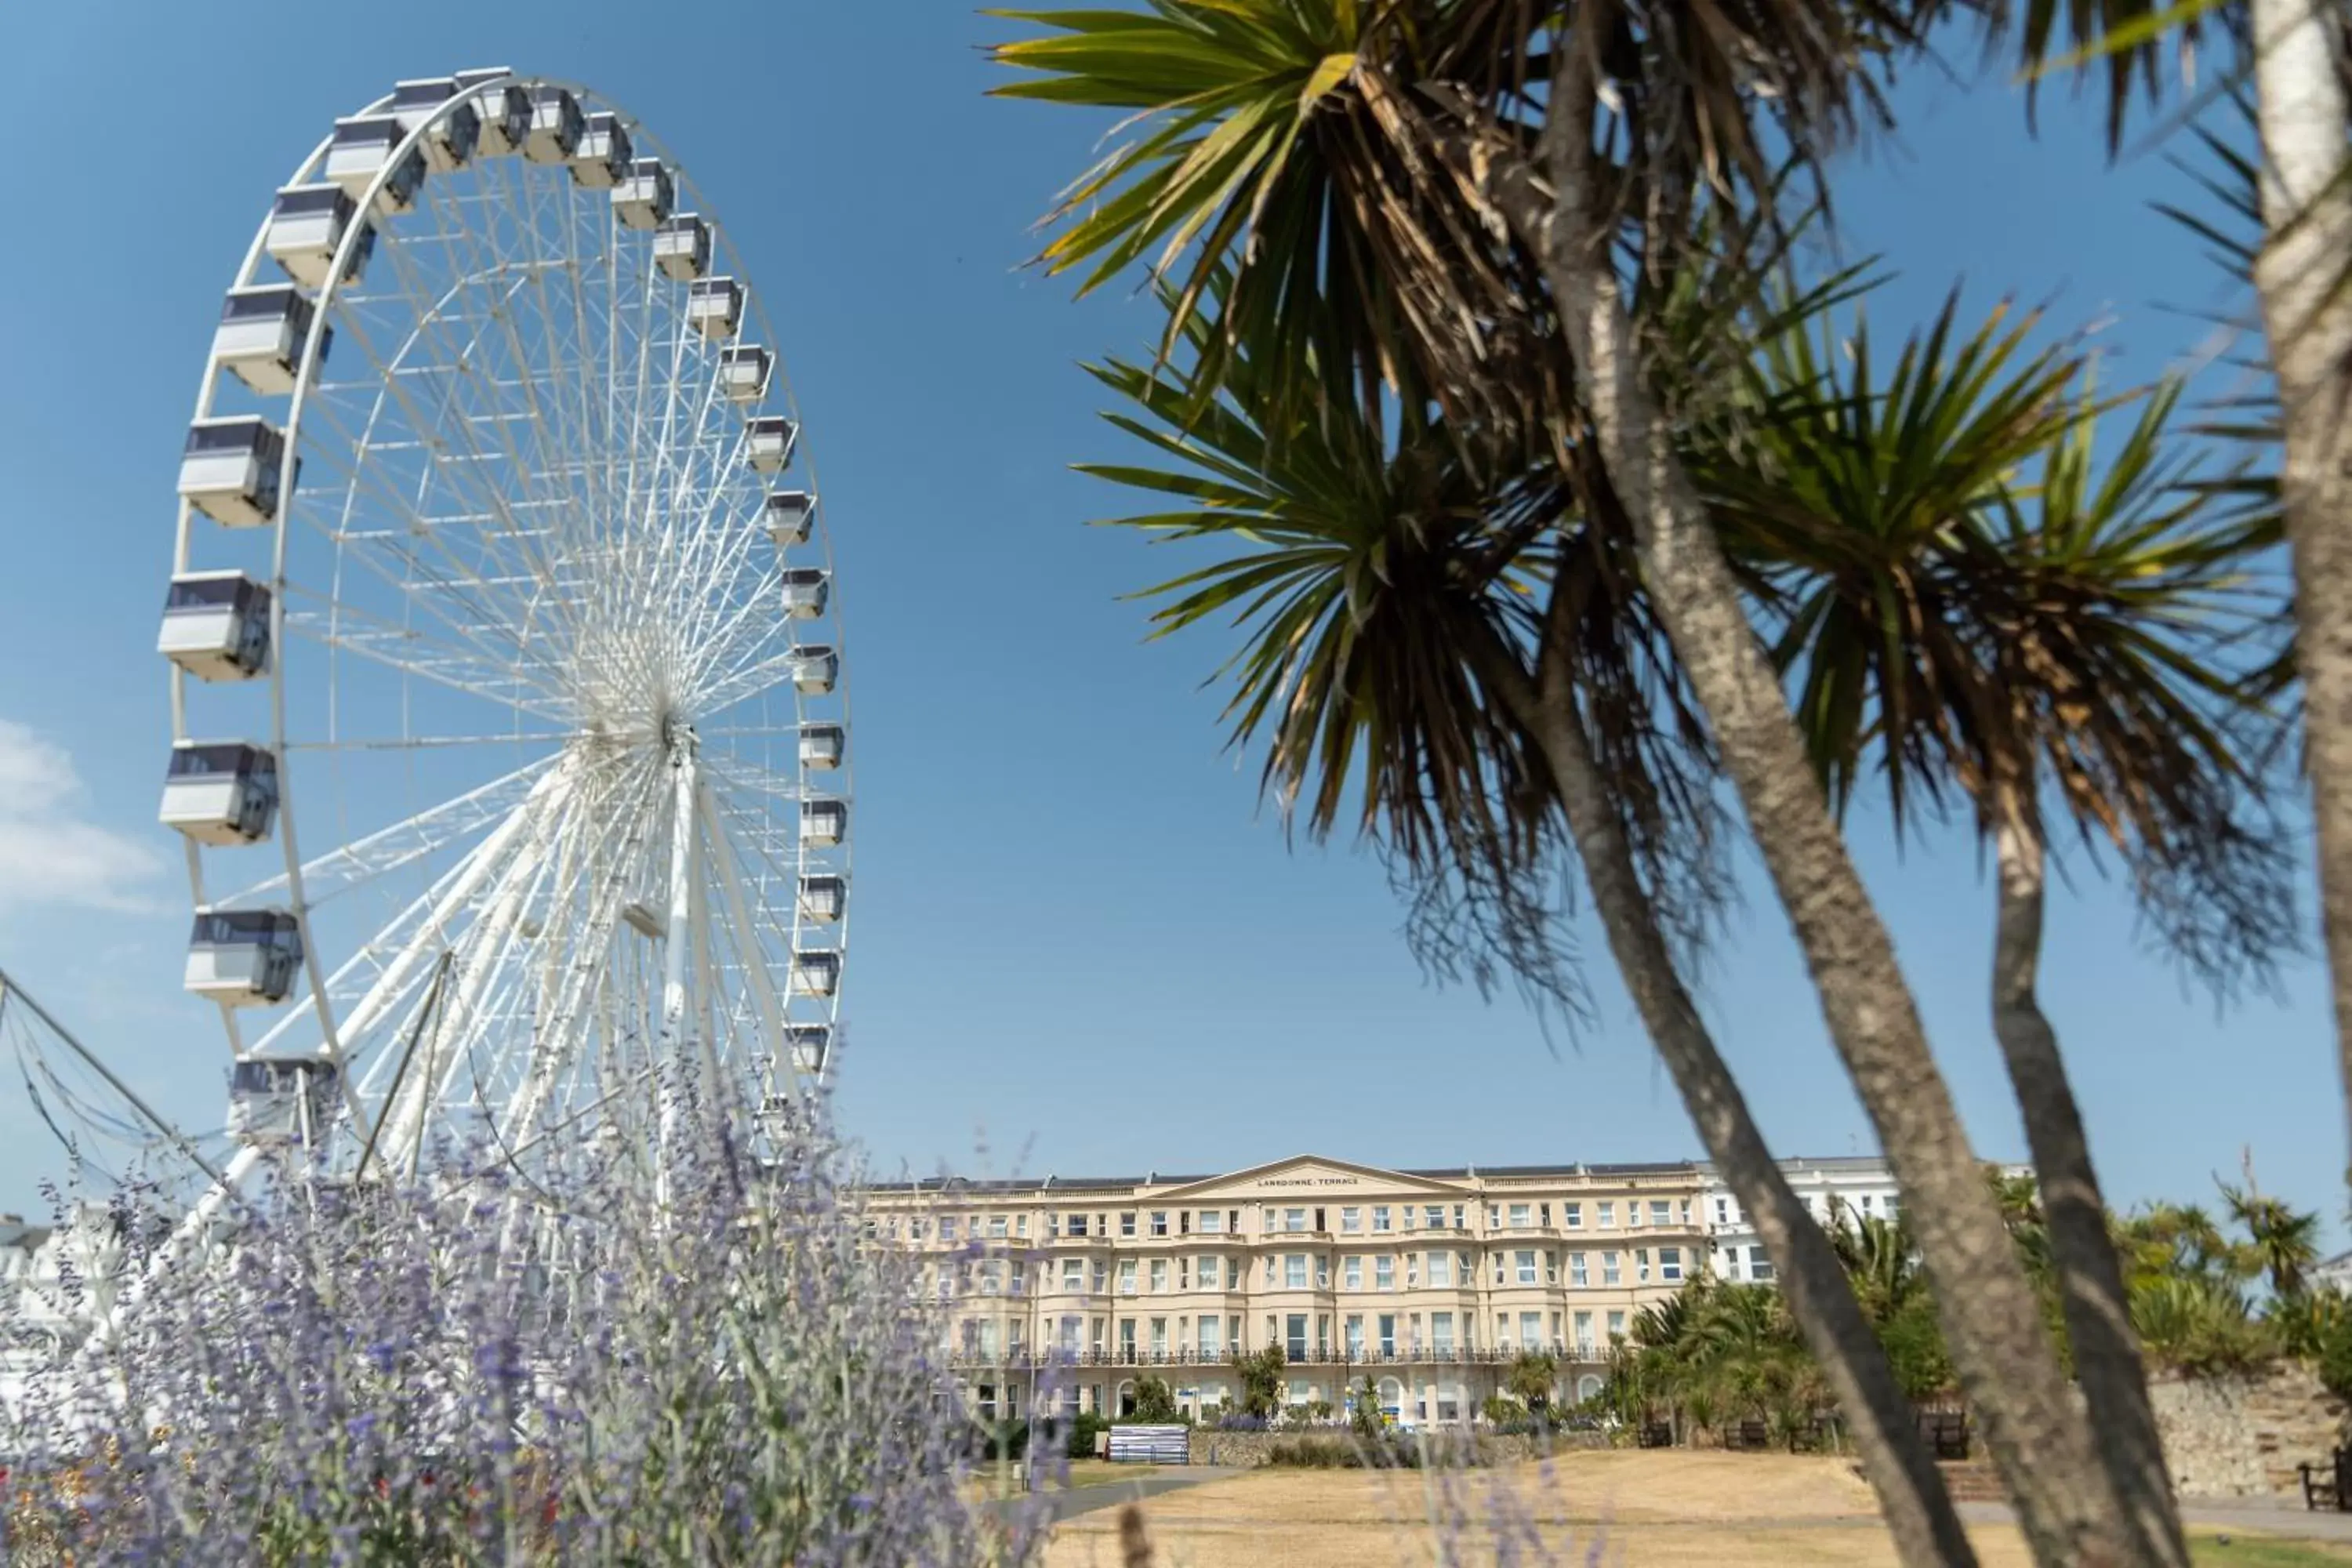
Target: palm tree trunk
(2067, 1506)
(1911, 1492)
(2090, 1277)
(2306, 191)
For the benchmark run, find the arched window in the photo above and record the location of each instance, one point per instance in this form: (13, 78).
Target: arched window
(1587, 1386)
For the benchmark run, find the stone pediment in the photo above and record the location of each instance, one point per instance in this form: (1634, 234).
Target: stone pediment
(1308, 1177)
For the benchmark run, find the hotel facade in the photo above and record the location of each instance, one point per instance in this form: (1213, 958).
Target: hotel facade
(1430, 1282)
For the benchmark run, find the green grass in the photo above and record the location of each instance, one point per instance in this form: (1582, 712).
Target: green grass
(2264, 1551)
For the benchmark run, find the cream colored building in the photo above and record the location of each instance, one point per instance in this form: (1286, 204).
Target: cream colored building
(1432, 1282)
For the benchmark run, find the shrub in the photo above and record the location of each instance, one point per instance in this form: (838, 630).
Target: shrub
(1083, 1432)
(475, 1370)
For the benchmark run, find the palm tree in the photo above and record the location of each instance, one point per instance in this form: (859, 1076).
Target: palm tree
(2285, 1239)
(1374, 178)
(2290, 54)
(1406, 634)
(2071, 647)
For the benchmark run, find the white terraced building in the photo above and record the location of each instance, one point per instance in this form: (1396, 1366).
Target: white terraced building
(1861, 1186)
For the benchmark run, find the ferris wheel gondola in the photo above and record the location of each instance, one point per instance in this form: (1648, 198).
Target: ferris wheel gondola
(504, 650)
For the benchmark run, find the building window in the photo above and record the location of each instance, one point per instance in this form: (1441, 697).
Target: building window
(1208, 1273)
(1433, 1217)
(1866, 1203)
(1074, 1272)
(1102, 1276)
(1574, 1213)
(1269, 1270)
(1355, 1336)
(1210, 1220)
(1102, 1224)
(1498, 1267)
(1053, 1222)
(1158, 1274)
(1322, 1271)
(1576, 1278)
(1544, 1211)
(1608, 1215)
(1531, 1331)
(1723, 1211)
(1441, 1333)
(1160, 1222)
(1441, 1269)
(1294, 1336)
(1584, 1333)
(1525, 1261)
(1760, 1267)
(1294, 1220)
(1184, 1222)
(1458, 1224)
(1388, 1333)
(1383, 1273)
(1662, 1212)
(1212, 1337)
(1126, 1337)
(997, 1225)
(1159, 1336)
(1670, 1264)
(1020, 1277)
(1351, 1220)
(1551, 1267)
(1352, 1273)
(1518, 1217)
(1020, 1224)
(1616, 1325)
(1126, 1276)
(1380, 1216)
(1642, 1266)
(1294, 1271)
(1685, 1213)
(1127, 1222)
(1728, 1258)
(1411, 1270)
(1609, 1268)
(1493, 1216)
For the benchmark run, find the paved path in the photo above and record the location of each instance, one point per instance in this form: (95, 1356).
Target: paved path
(2270, 1518)
(1069, 1504)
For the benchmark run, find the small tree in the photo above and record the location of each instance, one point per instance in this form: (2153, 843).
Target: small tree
(1366, 1416)
(1531, 1378)
(1155, 1402)
(1261, 1376)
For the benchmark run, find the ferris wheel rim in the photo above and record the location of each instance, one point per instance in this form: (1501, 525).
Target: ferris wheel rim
(299, 900)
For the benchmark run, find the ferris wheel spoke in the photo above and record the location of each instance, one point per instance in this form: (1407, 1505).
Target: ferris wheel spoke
(513, 616)
(422, 585)
(341, 627)
(404, 843)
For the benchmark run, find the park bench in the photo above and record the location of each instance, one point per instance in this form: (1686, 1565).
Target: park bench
(1946, 1433)
(2327, 1484)
(1655, 1434)
(1745, 1435)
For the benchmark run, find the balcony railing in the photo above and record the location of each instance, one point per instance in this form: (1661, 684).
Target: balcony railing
(1024, 1357)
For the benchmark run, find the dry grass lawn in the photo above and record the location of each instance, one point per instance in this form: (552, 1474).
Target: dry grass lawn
(1637, 1509)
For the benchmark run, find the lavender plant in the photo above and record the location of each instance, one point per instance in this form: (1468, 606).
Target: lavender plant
(488, 1369)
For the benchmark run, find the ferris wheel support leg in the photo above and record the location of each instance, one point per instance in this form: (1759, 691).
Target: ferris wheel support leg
(404, 1120)
(676, 941)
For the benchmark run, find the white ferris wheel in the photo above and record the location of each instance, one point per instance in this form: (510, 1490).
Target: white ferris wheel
(508, 722)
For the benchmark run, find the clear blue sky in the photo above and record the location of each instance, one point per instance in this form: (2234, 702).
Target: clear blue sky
(1079, 940)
